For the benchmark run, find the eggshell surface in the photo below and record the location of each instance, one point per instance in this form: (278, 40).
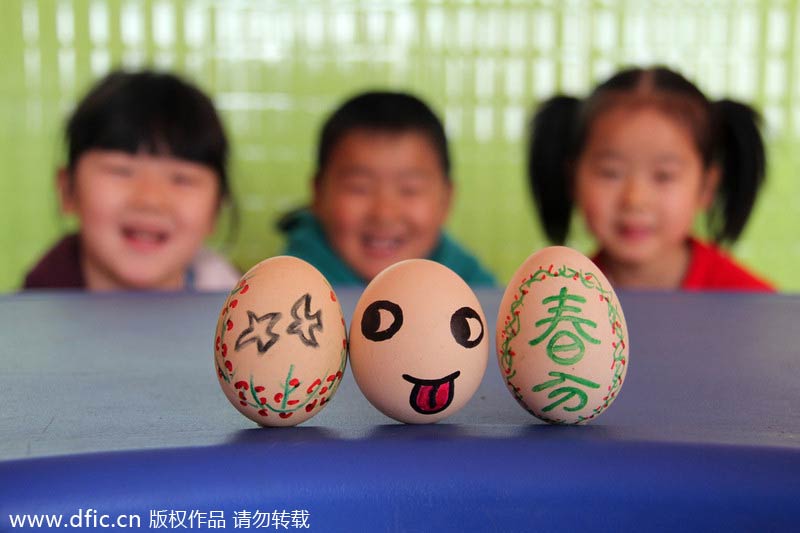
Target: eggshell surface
(280, 345)
(562, 340)
(418, 342)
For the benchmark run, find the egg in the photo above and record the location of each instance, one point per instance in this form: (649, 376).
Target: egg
(418, 342)
(562, 340)
(280, 346)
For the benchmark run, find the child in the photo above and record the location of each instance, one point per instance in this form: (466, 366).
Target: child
(641, 157)
(146, 178)
(382, 192)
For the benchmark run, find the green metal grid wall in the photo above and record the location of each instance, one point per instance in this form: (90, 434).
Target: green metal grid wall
(275, 68)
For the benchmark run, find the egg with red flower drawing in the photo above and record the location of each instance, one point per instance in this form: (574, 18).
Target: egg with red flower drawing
(280, 346)
(418, 344)
(562, 340)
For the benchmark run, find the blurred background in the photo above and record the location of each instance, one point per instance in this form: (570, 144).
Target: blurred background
(276, 68)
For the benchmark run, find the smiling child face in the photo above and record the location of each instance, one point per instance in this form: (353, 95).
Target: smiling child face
(143, 217)
(382, 197)
(640, 183)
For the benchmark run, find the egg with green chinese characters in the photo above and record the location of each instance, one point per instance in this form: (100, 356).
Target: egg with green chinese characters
(562, 340)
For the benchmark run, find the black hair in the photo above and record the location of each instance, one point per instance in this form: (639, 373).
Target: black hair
(726, 134)
(382, 111)
(156, 112)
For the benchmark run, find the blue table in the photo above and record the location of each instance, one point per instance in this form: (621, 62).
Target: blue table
(109, 405)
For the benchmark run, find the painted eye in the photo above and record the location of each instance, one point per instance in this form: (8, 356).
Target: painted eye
(381, 320)
(467, 327)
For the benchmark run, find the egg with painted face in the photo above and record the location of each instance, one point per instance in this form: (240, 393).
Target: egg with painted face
(280, 346)
(418, 344)
(562, 340)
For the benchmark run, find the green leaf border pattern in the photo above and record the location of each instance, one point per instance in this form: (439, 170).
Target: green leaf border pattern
(225, 369)
(321, 390)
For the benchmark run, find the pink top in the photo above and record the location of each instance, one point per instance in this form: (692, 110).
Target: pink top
(60, 269)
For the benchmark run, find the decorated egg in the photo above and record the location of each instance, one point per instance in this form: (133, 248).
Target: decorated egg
(418, 344)
(280, 345)
(562, 341)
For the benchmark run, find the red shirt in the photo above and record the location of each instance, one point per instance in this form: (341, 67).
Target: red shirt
(710, 269)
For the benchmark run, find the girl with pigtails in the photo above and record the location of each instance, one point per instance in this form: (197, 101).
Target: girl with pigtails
(641, 157)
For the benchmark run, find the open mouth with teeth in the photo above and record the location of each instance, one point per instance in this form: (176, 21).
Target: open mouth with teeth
(144, 239)
(381, 247)
(431, 396)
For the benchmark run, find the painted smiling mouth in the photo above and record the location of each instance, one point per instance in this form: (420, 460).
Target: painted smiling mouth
(431, 396)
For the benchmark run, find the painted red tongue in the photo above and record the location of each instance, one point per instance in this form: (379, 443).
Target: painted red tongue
(433, 397)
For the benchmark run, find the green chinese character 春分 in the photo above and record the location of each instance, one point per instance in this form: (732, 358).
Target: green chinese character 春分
(566, 392)
(573, 345)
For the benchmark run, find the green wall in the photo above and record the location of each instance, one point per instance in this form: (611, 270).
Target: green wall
(276, 68)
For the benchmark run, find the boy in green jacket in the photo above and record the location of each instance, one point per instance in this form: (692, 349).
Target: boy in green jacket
(382, 193)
